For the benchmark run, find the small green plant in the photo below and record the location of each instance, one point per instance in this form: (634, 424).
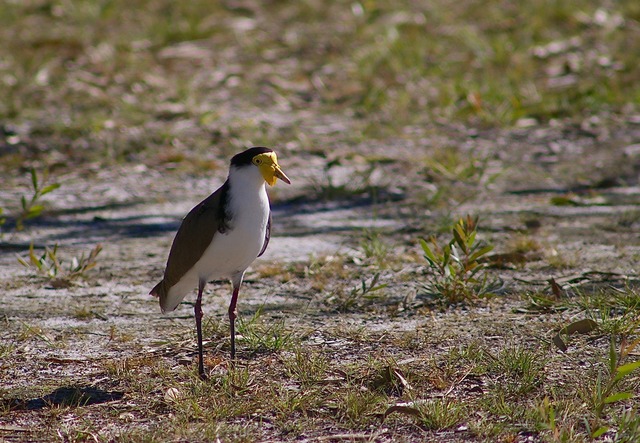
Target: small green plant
(521, 369)
(434, 414)
(346, 301)
(551, 415)
(32, 207)
(441, 413)
(236, 380)
(606, 387)
(6, 349)
(353, 406)
(451, 164)
(615, 310)
(305, 367)
(538, 302)
(49, 265)
(30, 332)
(261, 336)
(374, 247)
(458, 272)
(629, 426)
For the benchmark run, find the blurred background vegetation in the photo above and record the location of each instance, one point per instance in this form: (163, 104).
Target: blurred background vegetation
(161, 82)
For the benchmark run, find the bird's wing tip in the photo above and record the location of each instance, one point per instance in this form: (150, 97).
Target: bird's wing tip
(157, 289)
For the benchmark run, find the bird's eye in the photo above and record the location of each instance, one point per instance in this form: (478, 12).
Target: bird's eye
(258, 161)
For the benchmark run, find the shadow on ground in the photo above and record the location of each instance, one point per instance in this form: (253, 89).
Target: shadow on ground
(71, 396)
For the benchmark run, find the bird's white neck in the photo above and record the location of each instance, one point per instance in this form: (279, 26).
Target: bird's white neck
(247, 189)
(245, 179)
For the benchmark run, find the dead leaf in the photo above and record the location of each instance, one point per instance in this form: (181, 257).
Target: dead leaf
(559, 343)
(172, 395)
(400, 377)
(403, 408)
(581, 326)
(555, 288)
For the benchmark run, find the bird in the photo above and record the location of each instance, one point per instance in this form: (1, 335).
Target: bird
(221, 236)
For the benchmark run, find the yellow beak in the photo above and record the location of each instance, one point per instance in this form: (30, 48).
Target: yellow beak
(270, 169)
(281, 175)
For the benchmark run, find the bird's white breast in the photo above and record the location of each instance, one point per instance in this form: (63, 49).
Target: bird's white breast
(230, 253)
(235, 249)
(248, 207)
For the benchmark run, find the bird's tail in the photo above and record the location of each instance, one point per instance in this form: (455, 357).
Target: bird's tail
(160, 291)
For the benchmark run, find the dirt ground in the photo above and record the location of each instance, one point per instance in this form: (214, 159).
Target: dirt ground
(572, 191)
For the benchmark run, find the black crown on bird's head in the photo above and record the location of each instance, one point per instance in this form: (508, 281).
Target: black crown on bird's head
(245, 157)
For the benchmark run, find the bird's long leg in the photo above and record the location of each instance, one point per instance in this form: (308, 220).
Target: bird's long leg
(198, 316)
(232, 318)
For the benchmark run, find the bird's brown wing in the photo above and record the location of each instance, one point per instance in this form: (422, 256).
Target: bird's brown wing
(267, 236)
(194, 236)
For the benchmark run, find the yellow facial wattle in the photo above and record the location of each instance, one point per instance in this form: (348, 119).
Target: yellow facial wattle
(267, 163)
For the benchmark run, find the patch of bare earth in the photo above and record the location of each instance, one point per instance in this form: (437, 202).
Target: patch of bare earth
(318, 360)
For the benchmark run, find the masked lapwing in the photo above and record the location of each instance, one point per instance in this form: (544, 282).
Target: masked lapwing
(222, 236)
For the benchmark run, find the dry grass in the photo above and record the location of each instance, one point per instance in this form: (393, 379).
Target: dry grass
(487, 375)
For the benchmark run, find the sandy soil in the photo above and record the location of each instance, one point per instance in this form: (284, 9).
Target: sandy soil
(61, 336)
